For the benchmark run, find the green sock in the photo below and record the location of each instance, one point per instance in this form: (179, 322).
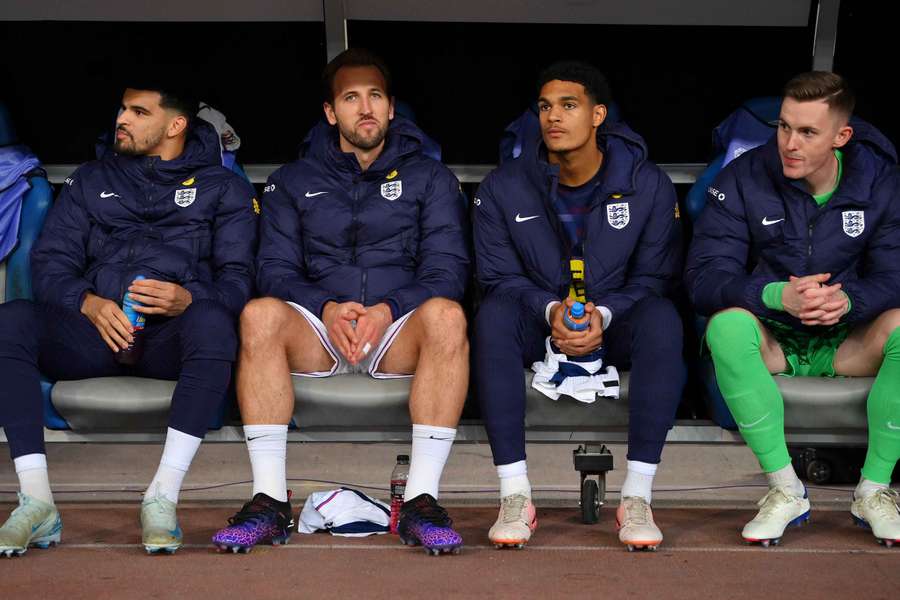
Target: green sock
(883, 409)
(750, 392)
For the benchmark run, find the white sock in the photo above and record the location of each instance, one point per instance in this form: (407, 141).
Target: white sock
(639, 480)
(176, 459)
(33, 477)
(866, 488)
(430, 449)
(267, 446)
(514, 479)
(786, 477)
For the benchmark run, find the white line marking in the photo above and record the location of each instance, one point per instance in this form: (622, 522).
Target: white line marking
(531, 548)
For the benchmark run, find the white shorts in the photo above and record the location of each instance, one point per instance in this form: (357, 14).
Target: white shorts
(367, 365)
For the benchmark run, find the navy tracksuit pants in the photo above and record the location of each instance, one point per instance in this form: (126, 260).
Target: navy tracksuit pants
(198, 348)
(647, 340)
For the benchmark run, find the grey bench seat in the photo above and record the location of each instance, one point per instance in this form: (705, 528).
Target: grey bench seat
(126, 404)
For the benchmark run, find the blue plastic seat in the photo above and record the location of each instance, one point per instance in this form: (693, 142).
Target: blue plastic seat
(36, 201)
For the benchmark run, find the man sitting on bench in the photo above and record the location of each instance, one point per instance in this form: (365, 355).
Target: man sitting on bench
(363, 257)
(797, 257)
(585, 217)
(162, 207)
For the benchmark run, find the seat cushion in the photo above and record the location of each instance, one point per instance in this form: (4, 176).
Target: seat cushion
(114, 403)
(360, 401)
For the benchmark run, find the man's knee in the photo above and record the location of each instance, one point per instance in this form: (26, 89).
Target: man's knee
(889, 332)
(444, 322)
(730, 326)
(208, 330)
(263, 321)
(657, 320)
(498, 318)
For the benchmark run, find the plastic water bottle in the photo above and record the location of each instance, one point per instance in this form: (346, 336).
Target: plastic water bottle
(132, 354)
(575, 318)
(398, 487)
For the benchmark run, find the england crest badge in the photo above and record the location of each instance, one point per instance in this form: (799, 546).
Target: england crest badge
(391, 190)
(618, 214)
(185, 197)
(854, 222)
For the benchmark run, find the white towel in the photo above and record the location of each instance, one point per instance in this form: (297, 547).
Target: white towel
(599, 380)
(346, 512)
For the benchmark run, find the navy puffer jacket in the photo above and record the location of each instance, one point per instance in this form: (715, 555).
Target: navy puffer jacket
(759, 227)
(395, 233)
(188, 221)
(632, 246)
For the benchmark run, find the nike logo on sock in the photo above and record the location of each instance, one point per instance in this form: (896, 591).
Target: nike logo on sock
(756, 422)
(250, 439)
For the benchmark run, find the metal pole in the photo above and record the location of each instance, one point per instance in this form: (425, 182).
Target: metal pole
(825, 37)
(335, 27)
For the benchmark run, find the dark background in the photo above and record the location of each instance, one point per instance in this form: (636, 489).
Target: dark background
(62, 81)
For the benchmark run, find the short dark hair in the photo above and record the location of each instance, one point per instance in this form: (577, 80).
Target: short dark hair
(179, 99)
(595, 84)
(353, 57)
(822, 85)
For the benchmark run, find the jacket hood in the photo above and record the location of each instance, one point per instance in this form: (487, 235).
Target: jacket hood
(201, 149)
(624, 152)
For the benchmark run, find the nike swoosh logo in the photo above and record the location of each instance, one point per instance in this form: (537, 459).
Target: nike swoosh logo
(109, 195)
(521, 219)
(756, 422)
(766, 221)
(311, 195)
(250, 439)
(894, 427)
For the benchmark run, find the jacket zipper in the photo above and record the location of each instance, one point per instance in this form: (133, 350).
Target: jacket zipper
(355, 226)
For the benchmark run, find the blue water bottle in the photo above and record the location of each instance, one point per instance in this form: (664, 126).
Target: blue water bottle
(575, 318)
(132, 354)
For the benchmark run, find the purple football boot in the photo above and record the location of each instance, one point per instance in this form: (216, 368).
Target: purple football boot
(260, 520)
(423, 522)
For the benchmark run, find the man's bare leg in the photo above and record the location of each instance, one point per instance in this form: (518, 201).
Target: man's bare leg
(275, 340)
(862, 353)
(433, 345)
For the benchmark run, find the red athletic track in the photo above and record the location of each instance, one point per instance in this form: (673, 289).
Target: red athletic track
(702, 557)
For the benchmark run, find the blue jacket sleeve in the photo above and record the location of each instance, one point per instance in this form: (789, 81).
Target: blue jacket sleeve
(59, 258)
(280, 265)
(655, 264)
(233, 247)
(443, 255)
(499, 269)
(716, 274)
(877, 288)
